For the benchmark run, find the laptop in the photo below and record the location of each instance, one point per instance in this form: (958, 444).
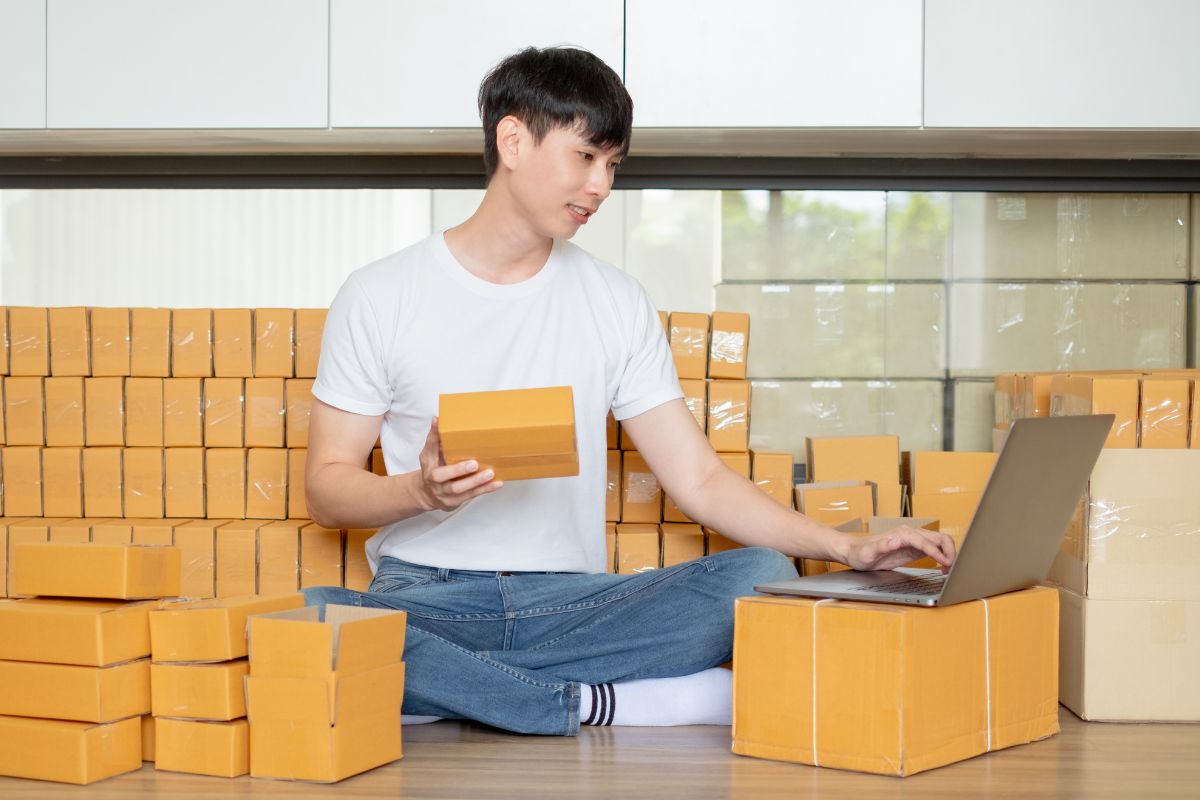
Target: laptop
(1039, 477)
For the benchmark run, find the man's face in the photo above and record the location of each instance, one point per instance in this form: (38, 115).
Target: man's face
(561, 182)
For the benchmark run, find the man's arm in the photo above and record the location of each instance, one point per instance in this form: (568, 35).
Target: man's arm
(340, 493)
(714, 495)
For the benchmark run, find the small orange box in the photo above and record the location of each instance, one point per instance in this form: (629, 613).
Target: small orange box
(274, 333)
(213, 630)
(310, 325)
(152, 531)
(63, 631)
(771, 471)
(1114, 393)
(688, 339)
(237, 548)
(185, 482)
(197, 543)
(378, 462)
(889, 499)
(730, 346)
(1163, 421)
(70, 351)
(717, 543)
(73, 531)
(209, 691)
(225, 482)
(183, 412)
(145, 476)
(738, 462)
(22, 481)
(266, 483)
(279, 557)
(358, 568)
(852, 458)
(835, 502)
(233, 342)
(69, 752)
(297, 504)
(62, 481)
(115, 531)
(729, 416)
(104, 412)
(2, 439)
(150, 342)
(224, 417)
(612, 491)
(610, 546)
(641, 496)
(102, 478)
(953, 511)
(203, 747)
(264, 412)
(64, 412)
(695, 395)
(191, 343)
(24, 407)
(147, 738)
(112, 572)
(681, 543)
(1194, 429)
(664, 320)
(110, 330)
(610, 432)
(320, 556)
(28, 341)
(938, 472)
(299, 399)
(639, 548)
(144, 412)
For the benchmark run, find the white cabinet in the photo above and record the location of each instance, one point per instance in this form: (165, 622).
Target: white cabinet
(22, 63)
(187, 64)
(774, 63)
(1064, 64)
(417, 64)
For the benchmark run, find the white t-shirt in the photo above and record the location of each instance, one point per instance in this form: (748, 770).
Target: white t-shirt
(417, 324)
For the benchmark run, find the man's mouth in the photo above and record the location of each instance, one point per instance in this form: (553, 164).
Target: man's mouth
(580, 213)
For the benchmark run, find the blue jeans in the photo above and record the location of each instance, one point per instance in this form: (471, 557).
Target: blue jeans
(511, 649)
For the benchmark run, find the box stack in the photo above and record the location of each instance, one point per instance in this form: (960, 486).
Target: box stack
(75, 677)
(947, 486)
(324, 692)
(199, 665)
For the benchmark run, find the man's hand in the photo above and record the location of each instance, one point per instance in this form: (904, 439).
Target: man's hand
(446, 487)
(897, 547)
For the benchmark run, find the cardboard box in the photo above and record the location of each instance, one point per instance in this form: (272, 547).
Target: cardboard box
(199, 691)
(237, 554)
(1075, 395)
(150, 342)
(209, 630)
(28, 341)
(835, 502)
(122, 572)
(22, 481)
(730, 345)
(266, 483)
(2, 424)
(681, 543)
(68, 752)
(1036, 393)
(729, 416)
(358, 569)
(104, 412)
(72, 692)
(95, 633)
(610, 432)
(1006, 399)
(144, 412)
(936, 472)
(197, 543)
(183, 414)
(62, 481)
(641, 496)
(1163, 422)
(718, 543)
(279, 557)
(378, 462)
(153, 531)
(145, 474)
(297, 505)
(1194, 428)
(663, 319)
(225, 482)
(115, 531)
(111, 337)
(953, 511)
(264, 412)
(849, 458)
(18, 531)
(639, 548)
(184, 489)
(64, 412)
(610, 546)
(274, 332)
(771, 471)
(310, 324)
(520, 433)
(70, 350)
(612, 491)
(71, 531)
(299, 397)
(320, 556)
(191, 343)
(147, 737)
(845, 684)
(203, 747)
(889, 500)
(738, 462)
(324, 642)
(102, 478)
(695, 395)
(882, 524)
(688, 338)
(3, 341)
(233, 343)
(305, 729)
(24, 407)
(224, 416)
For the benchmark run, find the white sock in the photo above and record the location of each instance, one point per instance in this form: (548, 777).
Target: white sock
(417, 719)
(703, 698)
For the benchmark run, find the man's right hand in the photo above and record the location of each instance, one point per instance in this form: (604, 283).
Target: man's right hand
(445, 487)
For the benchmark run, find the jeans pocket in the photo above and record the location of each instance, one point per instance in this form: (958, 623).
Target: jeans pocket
(395, 581)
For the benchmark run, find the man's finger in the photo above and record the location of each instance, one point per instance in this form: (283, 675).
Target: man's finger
(471, 481)
(445, 474)
(436, 435)
(926, 545)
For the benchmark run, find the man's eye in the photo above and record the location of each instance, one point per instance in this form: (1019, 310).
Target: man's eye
(615, 165)
(586, 156)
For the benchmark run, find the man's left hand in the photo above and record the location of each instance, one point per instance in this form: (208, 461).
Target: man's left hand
(897, 547)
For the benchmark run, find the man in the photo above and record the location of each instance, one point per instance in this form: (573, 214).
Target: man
(512, 621)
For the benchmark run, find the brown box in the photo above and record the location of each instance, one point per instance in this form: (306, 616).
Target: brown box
(358, 568)
(62, 481)
(730, 345)
(113, 531)
(24, 406)
(184, 488)
(22, 481)
(297, 504)
(102, 477)
(695, 395)
(835, 502)
(223, 415)
(847, 458)
(610, 546)
(1117, 394)
(225, 482)
(641, 496)
(279, 557)
(610, 432)
(115, 572)
(299, 398)
(104, 412)
(938, 472)
(3, 341)
(233, 341)
(266, 483)
(1163, 422)
(2, 379)
(70, 352)
(310, 324)
(197, 543)
(378, 462)
(64, 412)
(76, 530)
(274, 332)
(191, 343)
(688, 338)
(639, 548)
(152, 531)
(1035, 393)
(717, 543)
(144, 412)
(28, 341)
(150, 343)
(237, 548)
(110, 328)
(681, 543)
(264, 412)
(612, 491)
(183, 417)
(771, 471)
(729, 416)
(738, 462)
(320, 556)
(145, 473)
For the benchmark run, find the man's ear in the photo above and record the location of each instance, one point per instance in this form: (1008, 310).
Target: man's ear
(511, 135)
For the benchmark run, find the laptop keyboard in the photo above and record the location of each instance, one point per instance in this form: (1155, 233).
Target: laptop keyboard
(921, 585)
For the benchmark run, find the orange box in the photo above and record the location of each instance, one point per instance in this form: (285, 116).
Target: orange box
(144, 412)
(102, 478)
(672, 512)
(191, 343)
(610, 432)
(197, 543)
(233, 343)
(237, 554)
(69, 752)
(264, 412)
(688, 338)
(147, 738)
(104, 412)
(358, 569)
(183, 412)
(72, 692)
(378, 462)
(297, 505)
(1075, 395)
(624, 439)
(279, 557)
(937, 472)
(639, 548)
(111, 572)
(3, 341)
(62, 481)
(150, 342)
(184, 490)
(203, 747)
(28, 341)
(641, 496)
(717, 543)
(115, 531)
(209, 630)
(832, 503)
(326, 643)
(729, 416)
(853, 458)
(70, 350)
(110, 330)
(953, 511)
(1035, 393)
(198, 691)
(64, 412)
(520, 433)
(2, 440)
(738, 462)
(664, 320)
(274, 332)
(72, 531)
(223, 415)
(225, 482)
(889, 499)
(22, 531)
(299, 397)
(771, 471)
(695, 395)
(22, 481)
(1163, 421)
(93, 633)
(1006, 400)
(266, 483)
(730, 345)
(320, 556)
(310, 324)
(681, 543)
(610, 545)
(24, 406)
(612, 491)
(152, 531)
(145, 476)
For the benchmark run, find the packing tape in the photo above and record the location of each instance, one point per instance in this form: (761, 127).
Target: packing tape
(815, 761)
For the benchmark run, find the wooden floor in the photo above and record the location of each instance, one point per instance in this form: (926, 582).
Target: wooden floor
(450, 759)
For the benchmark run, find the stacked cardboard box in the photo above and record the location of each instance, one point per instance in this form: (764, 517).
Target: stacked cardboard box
(947, 486)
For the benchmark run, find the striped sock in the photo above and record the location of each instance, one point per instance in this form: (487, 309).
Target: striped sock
(702, 698)
(597, 704)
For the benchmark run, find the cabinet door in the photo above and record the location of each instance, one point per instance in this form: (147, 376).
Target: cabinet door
(1037, 64)
(188, 64)
(22, 63)
(416, 64)
(774, 63)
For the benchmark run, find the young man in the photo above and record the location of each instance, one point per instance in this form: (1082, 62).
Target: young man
(512, 619)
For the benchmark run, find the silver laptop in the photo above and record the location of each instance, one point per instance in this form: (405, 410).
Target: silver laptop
(1039, 476)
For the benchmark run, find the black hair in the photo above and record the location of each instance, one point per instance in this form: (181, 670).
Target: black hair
(555, 87)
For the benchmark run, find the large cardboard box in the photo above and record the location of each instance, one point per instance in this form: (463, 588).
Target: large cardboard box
(150, 342)
(95, 633)
(64, 412)
(938, 472)
(224, 417)
(310, 324)
(641, 496)
(730, 344)
(321, 560)
(209, 630)
(279, 557)
(102, 476)
(681, 543)
(274, 333)
(237, 552)
(70, 350)
(68, 752)
(62, 481)
(203, 747)
(183, 412)
(299, 398)
(233, 343)
(853, 458)
(110, 328)
(145, 477)
(264, 412)
(324, 642)
(199, 691)
(144, 412)
(1074, 395)
(191, 343)
(771, 471)
(520, 433)
(24, 411)
(639, 548)
(104, 412)
(266, 483)
(688, 338)
(1163, 421)
(28, 341)
(847, 685)
(118, 572)
(729, 416)
(225, 482)
(68, 691)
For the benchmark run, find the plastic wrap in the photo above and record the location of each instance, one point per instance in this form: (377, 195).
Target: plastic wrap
(225, 482)
(299, 398)
(191, 343)
(728, 350)
(681, 543)
(102, 495)
(24, 403)
(695, 395)
(224, 417)
(1164, 404)
(197, 543)
(274, 336)
(62, 481)
(110, 341)
(144, 412)
(64, 412)
(202, 747)
(144, 479)
(233, 343)
(266, 479)
(729, 415)
(639, 548)
(70, 349)
(185, 482)
(1075, 394)
(641, 495)
(689, 344)
(772, 472)
(310, 324)
(150, 342)
(104, 412)
(28, 341)
(321, 556)
(183, 412)
(237, 558)
(279, 558)
(264, 412)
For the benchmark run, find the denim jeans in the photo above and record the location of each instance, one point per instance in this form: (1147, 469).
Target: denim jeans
(511, 649)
